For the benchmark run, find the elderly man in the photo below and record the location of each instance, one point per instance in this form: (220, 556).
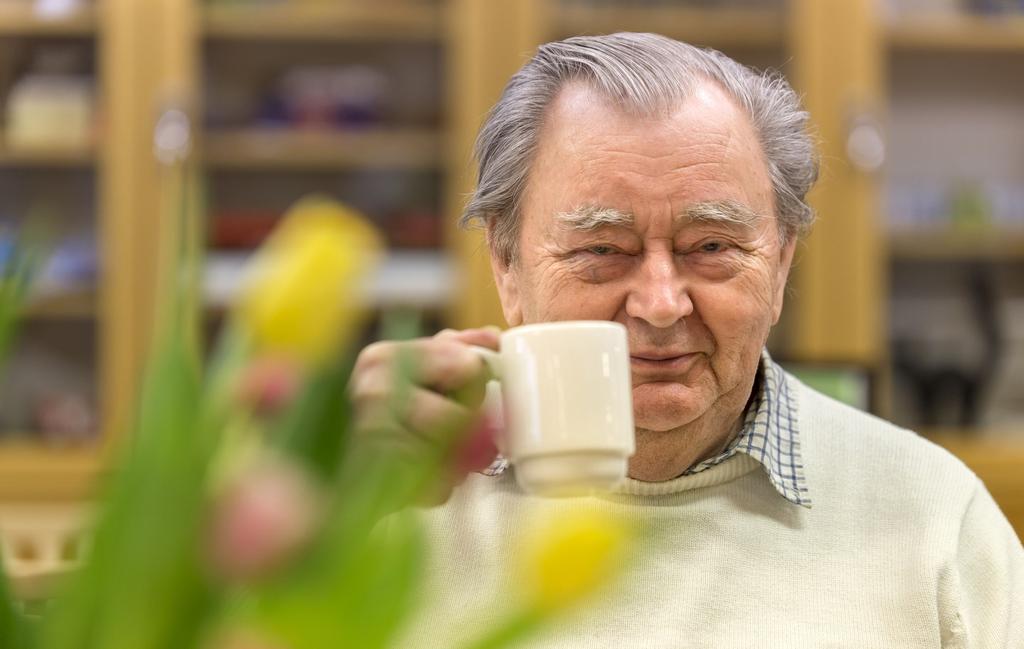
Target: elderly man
(637, 179)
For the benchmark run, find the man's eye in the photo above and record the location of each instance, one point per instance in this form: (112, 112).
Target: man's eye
(600, 251)
(712, 246)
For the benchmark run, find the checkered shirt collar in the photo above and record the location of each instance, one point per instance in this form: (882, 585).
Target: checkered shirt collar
(770, 435)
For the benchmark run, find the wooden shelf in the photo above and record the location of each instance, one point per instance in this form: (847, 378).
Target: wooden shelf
(75, 305)
(964, 246)
(24, 20)
(998, 459)
(47, 156)
(348, 21)
(960, 34)
(314, 149)
(30, 472)
(974, 437)
(706, 27)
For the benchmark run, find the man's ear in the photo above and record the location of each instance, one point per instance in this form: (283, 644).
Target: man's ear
(785, 263)
(506, 279)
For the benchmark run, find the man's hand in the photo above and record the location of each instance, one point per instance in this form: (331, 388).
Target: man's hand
(418, 399)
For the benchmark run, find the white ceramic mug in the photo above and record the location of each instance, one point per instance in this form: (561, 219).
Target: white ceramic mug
(567, 404)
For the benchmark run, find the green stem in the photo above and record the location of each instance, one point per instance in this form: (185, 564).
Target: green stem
(516, 629)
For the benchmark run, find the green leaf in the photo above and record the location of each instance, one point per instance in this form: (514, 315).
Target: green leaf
(354, 593)
(143, 584)
(520, 626)
(16, 630)
(315, 429)
(16, 278)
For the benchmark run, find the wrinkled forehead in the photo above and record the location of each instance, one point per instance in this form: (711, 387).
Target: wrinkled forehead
(597, 165)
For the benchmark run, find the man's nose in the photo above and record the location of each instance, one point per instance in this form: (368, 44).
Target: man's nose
(660, 295)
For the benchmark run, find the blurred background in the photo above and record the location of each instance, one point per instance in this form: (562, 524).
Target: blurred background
(907, 300)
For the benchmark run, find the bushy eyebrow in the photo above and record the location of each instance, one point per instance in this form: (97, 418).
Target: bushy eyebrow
(592, 217)
(725, 212)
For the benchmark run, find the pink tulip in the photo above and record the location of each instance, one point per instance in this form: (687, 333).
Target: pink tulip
(269, 384)
(261, 520)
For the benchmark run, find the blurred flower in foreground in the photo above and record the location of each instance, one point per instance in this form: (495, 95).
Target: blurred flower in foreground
(571, 556)
(562, 559)
(262, 519)
(302, 297)
(270, 384)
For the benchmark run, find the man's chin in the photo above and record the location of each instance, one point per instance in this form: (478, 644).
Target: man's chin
(660, 407)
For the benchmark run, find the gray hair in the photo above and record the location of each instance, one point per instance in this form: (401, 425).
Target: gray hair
(644, 74)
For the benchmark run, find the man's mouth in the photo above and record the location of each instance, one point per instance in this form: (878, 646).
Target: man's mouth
(660, 363)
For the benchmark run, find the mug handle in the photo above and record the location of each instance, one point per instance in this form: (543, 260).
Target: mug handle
(491, 359)
(493, 402)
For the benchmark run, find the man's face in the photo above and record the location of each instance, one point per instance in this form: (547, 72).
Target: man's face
(665, 225)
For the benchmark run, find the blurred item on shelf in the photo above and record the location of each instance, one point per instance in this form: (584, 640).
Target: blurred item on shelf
(951, 8)
(347, 96)
(65, 286)
(697, 4)
(241, 229)
(73, 263)
(917, 8)
(54, 9)
(849, 384)
(39, 543)
(63, 419)
(1005, 403)
(48, 385)
(50, 111)
(415, 228)
(46, 17)
(960, 206)
(995, 7)
(246, 229)
(947, 343)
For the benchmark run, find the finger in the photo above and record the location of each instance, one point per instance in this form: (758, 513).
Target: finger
(484, 337)
(442, 365)
(437, 363)
(435, 418)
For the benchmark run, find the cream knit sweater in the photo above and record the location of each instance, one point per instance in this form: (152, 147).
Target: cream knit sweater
(903, 548)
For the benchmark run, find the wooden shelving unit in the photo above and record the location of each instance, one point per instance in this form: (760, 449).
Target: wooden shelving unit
(51, 156)
(77, 305)
(125, 57)
(717, 27)
(959, 34)
(995, 455)
(29, 469)
(964, 246)
(31, 472)
(25, 20)
(407, 20)
(312, 149)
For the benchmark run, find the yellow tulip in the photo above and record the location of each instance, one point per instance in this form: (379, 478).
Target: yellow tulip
(303, 293)
(572, 555)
